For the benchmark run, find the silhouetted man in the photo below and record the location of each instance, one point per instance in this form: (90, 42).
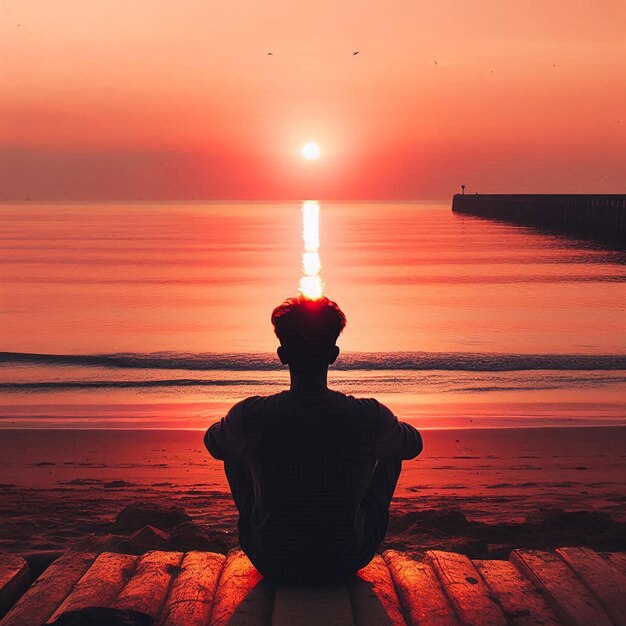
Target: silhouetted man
(312, 471)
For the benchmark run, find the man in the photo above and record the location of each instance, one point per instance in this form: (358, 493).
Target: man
(312, 471)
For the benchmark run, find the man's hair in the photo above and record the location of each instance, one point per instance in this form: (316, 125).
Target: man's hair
(308, 324)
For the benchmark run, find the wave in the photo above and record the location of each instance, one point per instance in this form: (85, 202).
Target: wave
(128, 384)
(472, 382)
(413, 361)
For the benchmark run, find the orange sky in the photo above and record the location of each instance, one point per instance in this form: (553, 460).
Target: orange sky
(160, 99)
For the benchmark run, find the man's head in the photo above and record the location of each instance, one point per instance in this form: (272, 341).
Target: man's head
(308, 331)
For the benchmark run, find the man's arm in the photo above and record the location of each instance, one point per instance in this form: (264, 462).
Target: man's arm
(224, 439)
(396, 439)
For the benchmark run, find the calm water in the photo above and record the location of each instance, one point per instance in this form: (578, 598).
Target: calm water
(157, 315)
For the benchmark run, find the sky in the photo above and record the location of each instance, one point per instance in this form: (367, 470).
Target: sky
(181, 100)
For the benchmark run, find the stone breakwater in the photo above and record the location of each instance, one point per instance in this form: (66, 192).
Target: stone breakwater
(598, 217)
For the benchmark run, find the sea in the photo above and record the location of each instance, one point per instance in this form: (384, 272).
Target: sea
(154, 315)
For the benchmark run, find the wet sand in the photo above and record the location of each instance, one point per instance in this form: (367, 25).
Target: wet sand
(479, 491)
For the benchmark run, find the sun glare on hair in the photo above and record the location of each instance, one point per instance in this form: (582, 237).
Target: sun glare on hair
(311, 285)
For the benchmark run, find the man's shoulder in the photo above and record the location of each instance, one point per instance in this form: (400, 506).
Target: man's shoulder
(366, 405)
(254, 401)
(365, 413)
(250, 409)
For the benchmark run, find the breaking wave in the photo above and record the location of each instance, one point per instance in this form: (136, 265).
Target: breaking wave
(365, 361)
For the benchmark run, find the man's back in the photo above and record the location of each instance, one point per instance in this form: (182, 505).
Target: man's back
(311, 458)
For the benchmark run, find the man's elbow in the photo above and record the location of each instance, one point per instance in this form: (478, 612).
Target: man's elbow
(417, 444)
(211, 444)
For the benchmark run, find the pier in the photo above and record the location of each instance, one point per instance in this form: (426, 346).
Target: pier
(595, 217)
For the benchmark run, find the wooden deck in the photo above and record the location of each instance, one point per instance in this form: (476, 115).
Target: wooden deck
(574, 586)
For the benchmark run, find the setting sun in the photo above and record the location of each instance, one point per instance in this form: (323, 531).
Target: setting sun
(310, 151)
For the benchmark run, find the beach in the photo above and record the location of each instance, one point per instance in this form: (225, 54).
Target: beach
(129, 328)
(479, 491)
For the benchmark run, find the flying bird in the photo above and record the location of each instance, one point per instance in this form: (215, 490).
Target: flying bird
(270, 54)
(355, 53)
(435, 62)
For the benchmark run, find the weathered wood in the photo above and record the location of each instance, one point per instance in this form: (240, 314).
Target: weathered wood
(520, 600)
(468, 593)
(617, 560)
(46, 594)
(604, 581)
(14, 577)
(311, 606)
(243, 596)
(191, 595)
(101, 583)
(575, 586)
(421, 595)
(373, 596)
(147, 588)
(40, 560)
(572, 602)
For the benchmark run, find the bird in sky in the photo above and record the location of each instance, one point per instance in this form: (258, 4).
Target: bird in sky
(270, 54)
(435, 62)
(355, 53)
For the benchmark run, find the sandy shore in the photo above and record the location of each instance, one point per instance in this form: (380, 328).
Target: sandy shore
(480, 492)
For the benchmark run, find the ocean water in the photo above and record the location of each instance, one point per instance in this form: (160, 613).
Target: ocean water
(152, 315)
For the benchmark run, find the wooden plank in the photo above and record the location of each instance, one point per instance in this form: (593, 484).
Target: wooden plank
(40, 560)
(191, 595)
(572, 602)
(311, 606)
(101, 583)
(14, 577)
(148, 586)
(520, 600)
(617, 560)
(243, 596)
(421, 595)
(373, 596)
(468, 593)
(46, 594)
(604, 581)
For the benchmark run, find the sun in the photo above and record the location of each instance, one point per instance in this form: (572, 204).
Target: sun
(310, 151)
